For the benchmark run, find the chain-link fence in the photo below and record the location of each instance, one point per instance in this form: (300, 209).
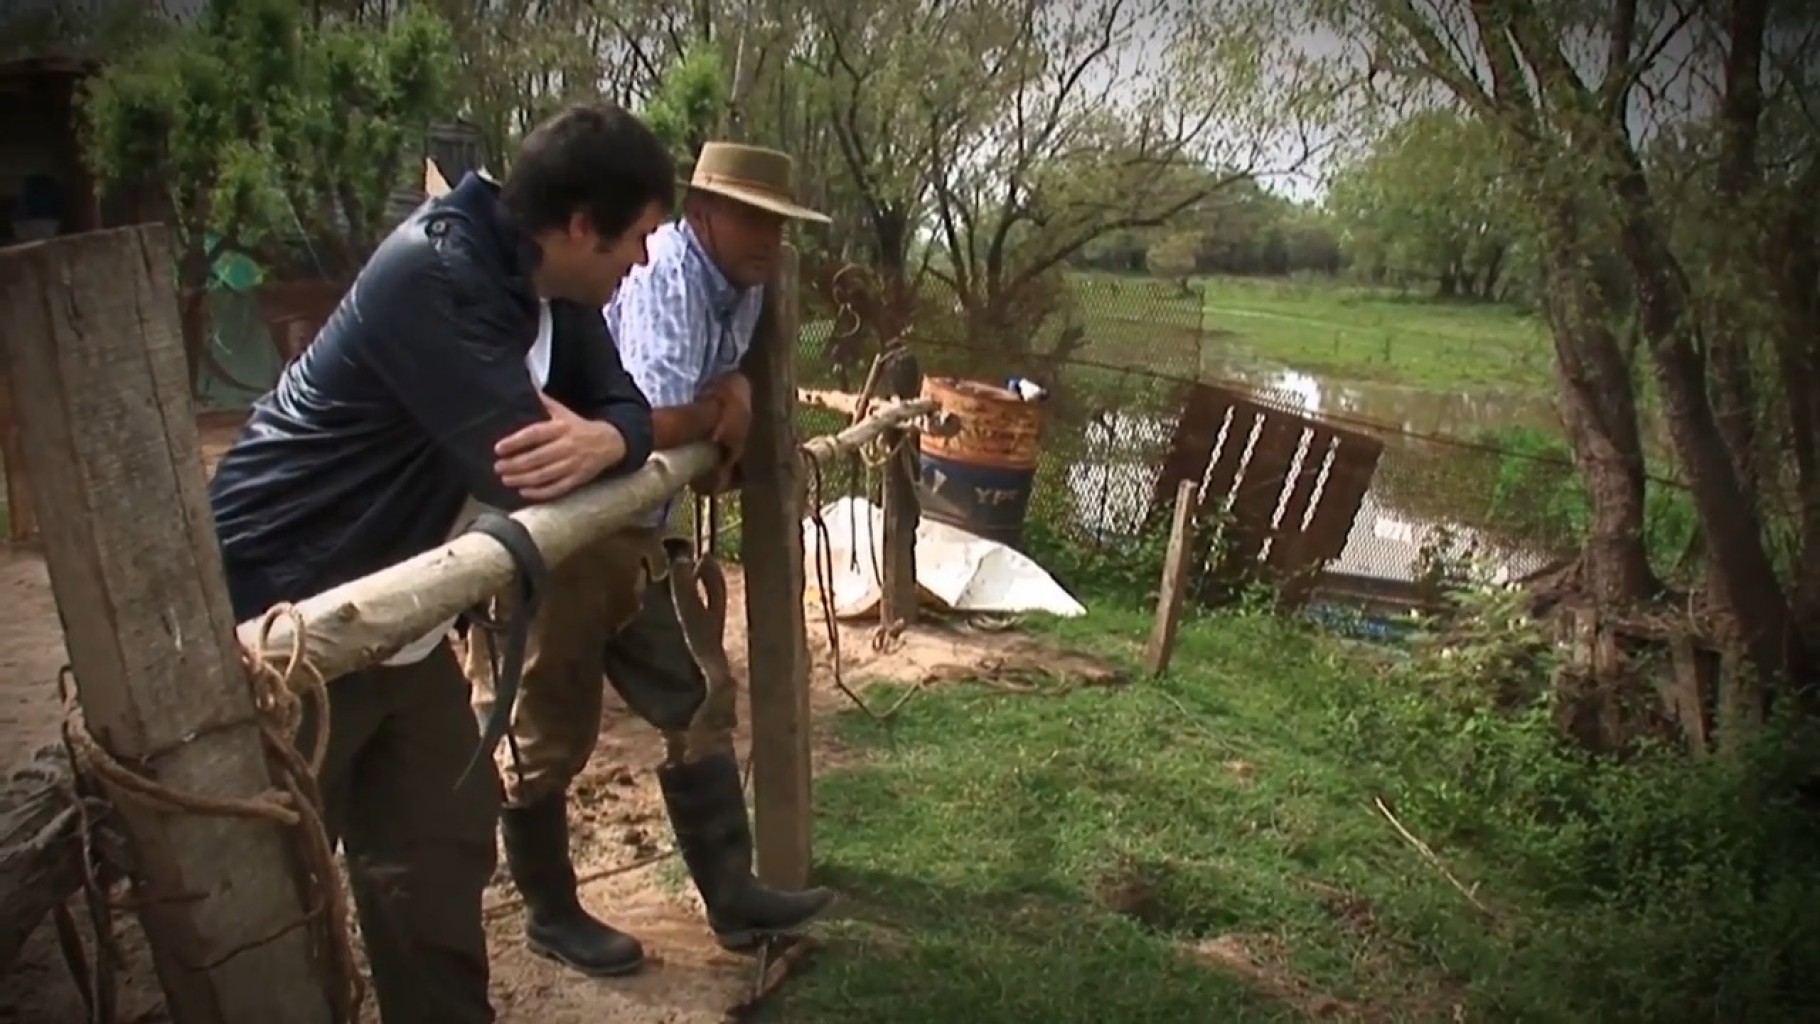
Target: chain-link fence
(1120, 358)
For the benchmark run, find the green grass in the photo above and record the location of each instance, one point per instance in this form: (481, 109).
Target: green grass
(1319, 326)
(1055, 858)
(1220, 325)
(1059, 857)
(1366, 335)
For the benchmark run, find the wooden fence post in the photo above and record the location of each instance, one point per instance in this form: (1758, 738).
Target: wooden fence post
(898, 601)
(20, 526)
(771, 546)
(1174, 590)
(97, 364)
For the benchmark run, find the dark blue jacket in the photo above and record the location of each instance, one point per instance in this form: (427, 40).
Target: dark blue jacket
(364, 452)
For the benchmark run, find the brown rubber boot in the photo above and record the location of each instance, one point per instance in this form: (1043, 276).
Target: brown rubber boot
(708, 811)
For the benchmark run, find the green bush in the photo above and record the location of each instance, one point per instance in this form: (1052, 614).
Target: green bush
(1538, 492)
(1669, 888)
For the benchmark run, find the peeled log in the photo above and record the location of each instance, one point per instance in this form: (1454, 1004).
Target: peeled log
(367, 620)
(896, 414)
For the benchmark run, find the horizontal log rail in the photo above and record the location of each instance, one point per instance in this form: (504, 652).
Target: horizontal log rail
(362, 622)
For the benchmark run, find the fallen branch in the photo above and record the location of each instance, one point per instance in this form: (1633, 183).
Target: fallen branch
(1429, 855)
(41, 845)
(365, 621)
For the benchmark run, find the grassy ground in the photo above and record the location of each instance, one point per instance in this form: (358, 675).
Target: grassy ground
(1208, 847)
(1321, 327)
(1365, 335)
(1135, 326)
(1066, 857)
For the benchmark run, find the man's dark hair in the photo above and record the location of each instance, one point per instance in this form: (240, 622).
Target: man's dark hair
(595, 157)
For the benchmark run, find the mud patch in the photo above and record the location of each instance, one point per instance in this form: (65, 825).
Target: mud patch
(1261, 961)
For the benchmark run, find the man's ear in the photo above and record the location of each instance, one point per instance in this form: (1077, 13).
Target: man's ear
(434, 184)
(581, 225)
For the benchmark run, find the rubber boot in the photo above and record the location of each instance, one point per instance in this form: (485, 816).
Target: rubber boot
(708, 811)
(556, 925)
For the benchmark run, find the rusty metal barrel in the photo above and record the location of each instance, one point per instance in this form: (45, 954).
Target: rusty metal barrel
(980, 478)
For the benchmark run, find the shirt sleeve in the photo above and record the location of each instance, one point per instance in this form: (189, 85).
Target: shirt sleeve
(662, 328)
(444, 347)
(612, 396)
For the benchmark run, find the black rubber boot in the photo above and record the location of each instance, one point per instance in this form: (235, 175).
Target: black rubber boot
(708, 811)
(556, 924)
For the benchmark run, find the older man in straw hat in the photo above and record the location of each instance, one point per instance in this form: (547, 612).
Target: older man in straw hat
(634, 607)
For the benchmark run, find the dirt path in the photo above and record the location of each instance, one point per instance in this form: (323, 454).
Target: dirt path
(621, 821)
(31, 652)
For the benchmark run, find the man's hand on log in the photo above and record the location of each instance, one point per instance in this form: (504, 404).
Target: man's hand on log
(719, 480)
(547, 460)
(732, 393)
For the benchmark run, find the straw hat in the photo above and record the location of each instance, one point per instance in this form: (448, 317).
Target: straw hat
(752, 175)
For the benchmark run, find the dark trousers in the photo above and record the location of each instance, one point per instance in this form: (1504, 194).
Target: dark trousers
(419, 849)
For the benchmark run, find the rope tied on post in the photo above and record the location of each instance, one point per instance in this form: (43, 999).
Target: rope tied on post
(286, 688)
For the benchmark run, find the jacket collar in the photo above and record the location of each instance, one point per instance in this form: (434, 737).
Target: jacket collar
(478, 198)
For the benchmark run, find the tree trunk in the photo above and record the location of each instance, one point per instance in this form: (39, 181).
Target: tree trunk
(1743, 579)
(1598, 408)
(1798, 363)
(1494, 272)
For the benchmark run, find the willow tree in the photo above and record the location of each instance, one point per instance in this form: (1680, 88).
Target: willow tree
(691, 103)
(1430, 201)
(258, 129)
(1016, 133)
(1718, 301)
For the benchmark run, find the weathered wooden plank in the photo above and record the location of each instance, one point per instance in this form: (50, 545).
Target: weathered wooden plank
(21, 526)
(1355, 462)
(901, 514)
(1174, 590)
(1261, 489)
(771, 508)
(1197, 430)
(1216, 494)
(96, 356)
(1285, 551)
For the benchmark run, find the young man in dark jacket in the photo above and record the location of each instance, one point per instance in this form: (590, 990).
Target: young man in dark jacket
(467, 364)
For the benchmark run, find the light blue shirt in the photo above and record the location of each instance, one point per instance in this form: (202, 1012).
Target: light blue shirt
(679, 323)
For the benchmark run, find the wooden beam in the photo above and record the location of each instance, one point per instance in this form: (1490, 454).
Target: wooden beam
(20, 525)
(362, 622)
(1177, 560)
(902, 512)
(832, 446)
(934, 422)
(96, 358)
(365, 621)
(771, 544)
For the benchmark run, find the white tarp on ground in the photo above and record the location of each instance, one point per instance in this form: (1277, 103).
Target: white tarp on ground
(954, 568)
